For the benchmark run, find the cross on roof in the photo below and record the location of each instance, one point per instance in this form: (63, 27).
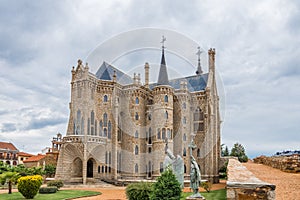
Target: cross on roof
(199, 52)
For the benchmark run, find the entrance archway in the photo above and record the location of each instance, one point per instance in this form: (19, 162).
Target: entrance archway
(89, 168)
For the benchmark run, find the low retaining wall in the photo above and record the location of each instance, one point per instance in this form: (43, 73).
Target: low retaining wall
(284, 163)
(242, 184)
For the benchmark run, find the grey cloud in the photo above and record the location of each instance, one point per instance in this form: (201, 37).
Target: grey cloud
(42, 123)
(8, 127)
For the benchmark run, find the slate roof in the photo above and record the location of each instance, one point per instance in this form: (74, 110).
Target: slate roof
(35, 158)
(106, 72)
(194, 83)
(8, 145)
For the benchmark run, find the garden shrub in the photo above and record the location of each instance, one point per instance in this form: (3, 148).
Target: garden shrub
(166, 187)
(48, 190)
(57, 183)
(206, 186)
(28, 186)
(137, 191)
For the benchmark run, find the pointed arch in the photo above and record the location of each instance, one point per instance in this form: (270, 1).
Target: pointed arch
(105, 119)
(166, 98)
(198, 152)
(136, 168)
(137, 101)
(136, 150)
(105, 98)
(109, 130)
(184, 151)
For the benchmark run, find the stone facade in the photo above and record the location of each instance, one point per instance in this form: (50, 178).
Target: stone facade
(117, 131)
(284, 163)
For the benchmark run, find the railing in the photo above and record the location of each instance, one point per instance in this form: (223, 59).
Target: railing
(80, 139)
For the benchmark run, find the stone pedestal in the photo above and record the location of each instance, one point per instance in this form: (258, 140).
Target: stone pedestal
(195, 198)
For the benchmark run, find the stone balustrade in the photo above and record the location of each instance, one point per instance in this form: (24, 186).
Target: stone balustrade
(242, 184)
(284, 163)
(81, 138)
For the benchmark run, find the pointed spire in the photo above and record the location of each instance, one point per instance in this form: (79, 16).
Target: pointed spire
(163, 74)
(199, 70)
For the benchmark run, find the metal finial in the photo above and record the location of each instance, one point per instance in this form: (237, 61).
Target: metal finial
(163, 41)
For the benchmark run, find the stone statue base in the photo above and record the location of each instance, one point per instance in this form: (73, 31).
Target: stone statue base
(195, 198)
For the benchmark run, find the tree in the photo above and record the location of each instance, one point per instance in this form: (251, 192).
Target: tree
(224, 152)
(10, 178)
(49, 170)
(239, 151)
(166, 187)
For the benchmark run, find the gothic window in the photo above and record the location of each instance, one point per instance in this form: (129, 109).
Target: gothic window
(77, 126)
(198, 120)
(92, 93)
(169, 134)
(100, 128)
(184, 120)
(92, 117)
(109, 158)
(105, 132)
(184, 151)
(136, 150)
(184, 169)
(163, 134)
(105, 119)
(96, 131)
(136, 168)
(136, 116)
(198, 153)
(166, 115)
(99, 169)
(105, 98)
(109, 169)
(166, 99)
(109, 130)
(150, 136)
(184, 137)
(136, 135)
(149, 117)
(149, 150)
(137, 100)
(161, 167)
(106, 157)
(158, 133)
(184, 105)
(92, 130)
(102, 169)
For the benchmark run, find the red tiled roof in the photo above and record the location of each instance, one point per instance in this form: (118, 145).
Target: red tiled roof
(24, 154)
(7, 145)
(35, 158)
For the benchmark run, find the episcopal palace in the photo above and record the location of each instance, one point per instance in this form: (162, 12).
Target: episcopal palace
(118, 126)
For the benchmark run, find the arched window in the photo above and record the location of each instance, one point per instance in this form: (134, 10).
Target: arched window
(105, 98)
(136, 150)
(100, 128)
(136, 116)
(184, 151)
(137, 100)
(163, 134)
(82, 126)
(92, 117)
(161, 167)
(184, 169)
(109, 130)
(109, 158)
(106, 157)
(158, 133)
(105, 132)
(198, 153)
(169, 134)
(184, 105)
(136, 168)
(99, 169)
(166, 115)
(136, 135)
(105, 119)
(184, 120)
(103, 169)
(184, 137)
(96, 130)
(166, 98)
(77, 126)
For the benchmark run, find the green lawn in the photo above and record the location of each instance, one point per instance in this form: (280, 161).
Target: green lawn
(212, 195)
(59, 195)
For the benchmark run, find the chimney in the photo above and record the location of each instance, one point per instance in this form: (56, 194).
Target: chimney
(147, 75)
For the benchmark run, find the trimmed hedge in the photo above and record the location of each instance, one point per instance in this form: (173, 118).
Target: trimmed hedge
(56, 183)
(137, 191)
(48, 190)
(29, 186)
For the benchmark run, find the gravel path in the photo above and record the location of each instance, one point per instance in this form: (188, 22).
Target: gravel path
(287, 184)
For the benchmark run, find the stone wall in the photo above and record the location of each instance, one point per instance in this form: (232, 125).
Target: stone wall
(242, 184)
(285, 163)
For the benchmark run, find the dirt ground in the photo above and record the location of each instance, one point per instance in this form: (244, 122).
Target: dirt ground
(287, 184)
(118, 193)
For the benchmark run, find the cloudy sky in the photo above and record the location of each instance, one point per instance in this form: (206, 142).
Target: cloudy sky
(258, 58)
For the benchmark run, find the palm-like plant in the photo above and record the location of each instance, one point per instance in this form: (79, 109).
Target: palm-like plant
(11, 178)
